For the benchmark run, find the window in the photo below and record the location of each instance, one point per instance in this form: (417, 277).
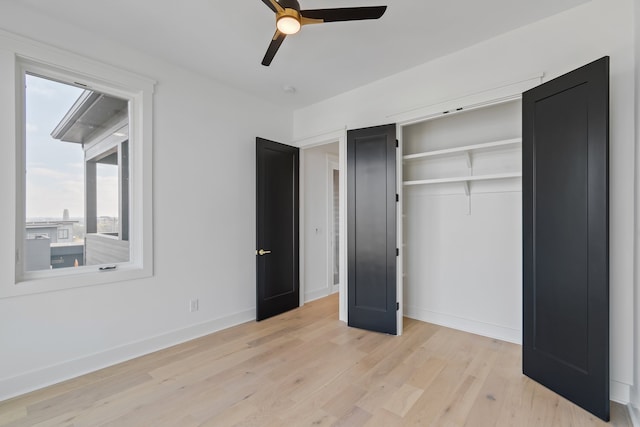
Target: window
(83, 151)
(76, 149)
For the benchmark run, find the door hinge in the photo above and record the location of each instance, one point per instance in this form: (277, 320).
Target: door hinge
(397, 252)
(397, 306)
(397, 143)
(397, 197)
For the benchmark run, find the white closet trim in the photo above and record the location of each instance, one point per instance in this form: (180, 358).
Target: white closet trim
(501, 92)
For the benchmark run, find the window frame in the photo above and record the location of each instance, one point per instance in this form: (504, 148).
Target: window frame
(55, 64)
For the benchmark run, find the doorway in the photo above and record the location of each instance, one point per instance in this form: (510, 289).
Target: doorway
(322, 226)
(333, 223)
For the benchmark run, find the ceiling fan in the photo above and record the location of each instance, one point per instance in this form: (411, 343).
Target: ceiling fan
(289, 19)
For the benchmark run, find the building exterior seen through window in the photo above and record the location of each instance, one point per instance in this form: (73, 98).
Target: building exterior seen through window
(77, 176)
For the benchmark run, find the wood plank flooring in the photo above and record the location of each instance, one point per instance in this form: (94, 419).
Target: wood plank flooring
(306, 368)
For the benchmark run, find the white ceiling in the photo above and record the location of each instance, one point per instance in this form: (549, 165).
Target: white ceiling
(226, 40)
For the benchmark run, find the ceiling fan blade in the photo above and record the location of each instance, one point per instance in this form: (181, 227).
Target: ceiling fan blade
(345, 13)
(277, 40)
(273, 5)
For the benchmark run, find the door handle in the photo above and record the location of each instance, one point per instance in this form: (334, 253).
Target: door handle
(262, 252)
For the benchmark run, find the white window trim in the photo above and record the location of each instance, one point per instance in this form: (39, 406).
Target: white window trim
(19, 55)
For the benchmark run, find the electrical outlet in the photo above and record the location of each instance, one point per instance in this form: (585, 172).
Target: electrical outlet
(193, 305)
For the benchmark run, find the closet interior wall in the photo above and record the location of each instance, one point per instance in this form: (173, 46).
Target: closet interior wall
(462, 220)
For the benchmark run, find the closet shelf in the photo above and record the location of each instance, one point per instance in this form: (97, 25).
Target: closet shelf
(464, 179)
(463, 149)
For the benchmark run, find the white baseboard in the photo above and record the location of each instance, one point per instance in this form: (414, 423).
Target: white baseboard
(619, 392)
(472, 326)
(30, 381)
(314, 295)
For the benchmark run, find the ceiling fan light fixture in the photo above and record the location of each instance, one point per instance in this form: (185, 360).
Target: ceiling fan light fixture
(288, 23)
(290, 19)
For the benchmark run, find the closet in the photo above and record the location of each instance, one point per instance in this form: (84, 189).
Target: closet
(510, 199)
(461, 204)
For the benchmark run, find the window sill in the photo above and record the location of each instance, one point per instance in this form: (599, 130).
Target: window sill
(49, 281)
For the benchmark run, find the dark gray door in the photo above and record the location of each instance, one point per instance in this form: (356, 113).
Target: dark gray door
(277, 257)
(565, 189)
(371, 218)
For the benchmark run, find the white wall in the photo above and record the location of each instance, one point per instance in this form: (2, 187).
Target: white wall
(316, 199)
(204, 145)
(554, 46)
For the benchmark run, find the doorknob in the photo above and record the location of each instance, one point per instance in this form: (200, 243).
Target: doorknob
(262, 252)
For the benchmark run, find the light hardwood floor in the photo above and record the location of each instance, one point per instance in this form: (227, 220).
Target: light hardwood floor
(305, 368)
